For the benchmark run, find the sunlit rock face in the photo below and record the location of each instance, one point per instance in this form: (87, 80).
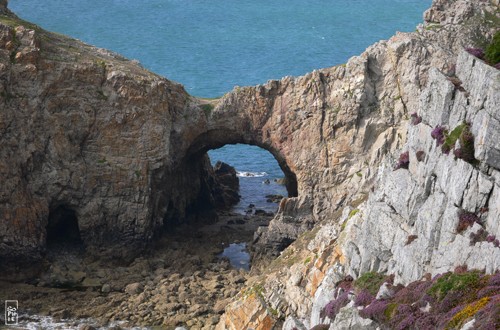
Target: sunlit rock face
(396, 93)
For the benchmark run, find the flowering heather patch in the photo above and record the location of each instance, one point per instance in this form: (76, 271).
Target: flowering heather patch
(415, 119)
(445, 149)
(412, 293)
(375, 311)
(364, 298)
(493, 239)
(477, 52)
(333, 307)
(403, 162)
(409, 321)
(438, 134)
(494, 279)
(482, 236)
(445, 302)
(488, 318)
(450, 301)
(466, 220)
(488, 291)
(425, 321)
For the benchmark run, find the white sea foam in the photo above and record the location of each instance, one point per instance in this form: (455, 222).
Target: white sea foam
(37, 322)
(250, 174)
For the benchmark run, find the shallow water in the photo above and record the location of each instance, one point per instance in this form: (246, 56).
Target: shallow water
(254, 166)
(238, 255)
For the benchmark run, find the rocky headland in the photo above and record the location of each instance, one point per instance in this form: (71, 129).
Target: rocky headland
(392, 166)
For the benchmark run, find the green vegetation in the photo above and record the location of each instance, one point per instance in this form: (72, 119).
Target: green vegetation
(352, 213)
(433, 27)
(452, 137)
(15, 22)
(491, 19)
(207, 108)
(101, 63)
(390, 310)
(454, 282)
(102, 161)
(274, 312)
(492, 52)
(256, 289)
(370, 281)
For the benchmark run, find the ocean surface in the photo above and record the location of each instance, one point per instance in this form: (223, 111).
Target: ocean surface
(212, 46)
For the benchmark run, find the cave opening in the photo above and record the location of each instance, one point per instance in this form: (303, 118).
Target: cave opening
(62, 229)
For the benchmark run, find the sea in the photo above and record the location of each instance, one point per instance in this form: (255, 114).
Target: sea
(211, 46)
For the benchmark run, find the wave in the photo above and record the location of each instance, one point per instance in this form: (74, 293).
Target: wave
(250, 174)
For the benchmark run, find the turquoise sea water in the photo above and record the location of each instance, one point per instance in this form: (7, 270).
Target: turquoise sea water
(211, 46)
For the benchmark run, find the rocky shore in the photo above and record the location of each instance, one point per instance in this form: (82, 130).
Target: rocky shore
(180, 281)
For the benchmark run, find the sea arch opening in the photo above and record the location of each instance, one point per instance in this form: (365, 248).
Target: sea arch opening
(262, 182)
(214, 140)
(265, 177)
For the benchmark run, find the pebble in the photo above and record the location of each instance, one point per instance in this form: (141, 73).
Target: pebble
(106, 288)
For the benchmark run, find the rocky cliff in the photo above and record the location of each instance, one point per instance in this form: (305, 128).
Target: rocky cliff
(410, 223)
(92, 138)
(90, 135)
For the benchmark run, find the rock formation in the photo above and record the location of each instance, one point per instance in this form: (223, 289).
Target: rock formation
(227, 187)
(92, 137)
(407, 223)
(87, 131)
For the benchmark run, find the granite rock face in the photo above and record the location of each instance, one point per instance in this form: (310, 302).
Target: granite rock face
(330, 129)
(425, 200)
(406, 224)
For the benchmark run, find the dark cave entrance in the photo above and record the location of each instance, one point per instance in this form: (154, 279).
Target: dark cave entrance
(63, 229)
